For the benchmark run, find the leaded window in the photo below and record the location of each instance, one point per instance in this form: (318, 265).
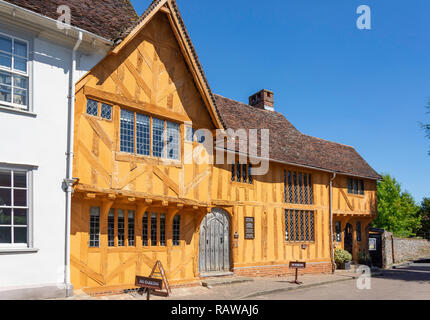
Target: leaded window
(111, 228)
(14, 75)
(299, 226)
(92, 107)
(338, 228)
(143, 134)
(158, 136)
(153, 229)
(106, 111)
(162, 229)
(173, 140)
(145, 230)
(94, 227)
(176, 230)
(127, 131)
(298, 187)
(355, 186)
(131, 228)
(121, 228)
(14, 207)
(241, 173)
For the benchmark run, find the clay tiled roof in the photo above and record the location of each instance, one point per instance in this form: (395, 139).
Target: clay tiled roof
(106, 18)
(289, 145)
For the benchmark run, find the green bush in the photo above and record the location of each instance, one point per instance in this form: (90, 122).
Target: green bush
(341, 256)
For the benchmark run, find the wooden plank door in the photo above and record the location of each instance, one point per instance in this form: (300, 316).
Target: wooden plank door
(214, 246)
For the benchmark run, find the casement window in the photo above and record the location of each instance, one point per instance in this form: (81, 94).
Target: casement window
(111, 228)
(241, 173)
(154, 229)
(14, 207)
(358, 229)
(338, 228)
(139, 131)
(190, 134)
(299, 226)
(145, 229)
(176, 230)
(131, 228)
(94, 227)
(355, 186)
(14, 72)
(121, 228)
(99, 109)
(298, 188)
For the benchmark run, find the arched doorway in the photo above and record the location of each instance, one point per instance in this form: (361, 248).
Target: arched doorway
(214, 244)
(347, 240)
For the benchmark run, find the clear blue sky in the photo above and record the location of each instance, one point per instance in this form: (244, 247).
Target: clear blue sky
(364, 88)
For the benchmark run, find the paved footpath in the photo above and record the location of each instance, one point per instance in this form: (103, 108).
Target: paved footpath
(410, 281)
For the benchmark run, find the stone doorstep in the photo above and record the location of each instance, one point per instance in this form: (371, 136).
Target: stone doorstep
(215, 282)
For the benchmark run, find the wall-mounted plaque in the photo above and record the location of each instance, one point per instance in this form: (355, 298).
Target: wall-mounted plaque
(249, 228)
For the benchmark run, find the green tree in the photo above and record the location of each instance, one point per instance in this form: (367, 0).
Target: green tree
(425, 216)
(397, 210)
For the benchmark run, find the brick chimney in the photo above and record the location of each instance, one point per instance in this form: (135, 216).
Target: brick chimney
(262, 100)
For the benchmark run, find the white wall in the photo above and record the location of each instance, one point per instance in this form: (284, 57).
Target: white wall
(41, 141)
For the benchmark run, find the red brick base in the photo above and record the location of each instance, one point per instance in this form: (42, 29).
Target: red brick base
(280, 270)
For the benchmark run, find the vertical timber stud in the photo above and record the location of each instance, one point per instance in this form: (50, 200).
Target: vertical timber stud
(106, 206)
(169, 235)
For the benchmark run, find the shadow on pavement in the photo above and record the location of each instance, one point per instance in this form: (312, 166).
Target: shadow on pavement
(414, 272)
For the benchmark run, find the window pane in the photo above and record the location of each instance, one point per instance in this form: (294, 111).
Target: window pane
(162, 230)
(127, 131)
(131, 228)
(145, 230)
(20, 198)
(94, 227)
(244, 173)
(176, 230)
(173, 141)
(233, 172)
(106, 111)
(5, 78)
(20, 48)
(153, 229)
(249, 174)
(120, 228)
(19, 179)
(287, 235)
(158, 135)
(20, 97)
(92, 107)
(5, 216)
(5, 93)
(20, 217)
(142, 134)
(5, 60)
(361, 187)
(238, 172)
(5, 197)
(20, 82)
(20, 235)
(111, 228)
(5, 235)
(5, 179)
(20, 64)
(6, 44)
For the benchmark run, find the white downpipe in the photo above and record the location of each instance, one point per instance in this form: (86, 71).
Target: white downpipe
(331, 222)
(69, 170)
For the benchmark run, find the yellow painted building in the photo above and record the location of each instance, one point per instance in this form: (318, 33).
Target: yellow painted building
(139, 198)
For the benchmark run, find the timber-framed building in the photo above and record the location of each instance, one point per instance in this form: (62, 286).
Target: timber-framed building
(136, 200)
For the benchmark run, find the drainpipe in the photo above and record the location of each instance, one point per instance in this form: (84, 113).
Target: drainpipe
(333, 268)
(69, 181)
